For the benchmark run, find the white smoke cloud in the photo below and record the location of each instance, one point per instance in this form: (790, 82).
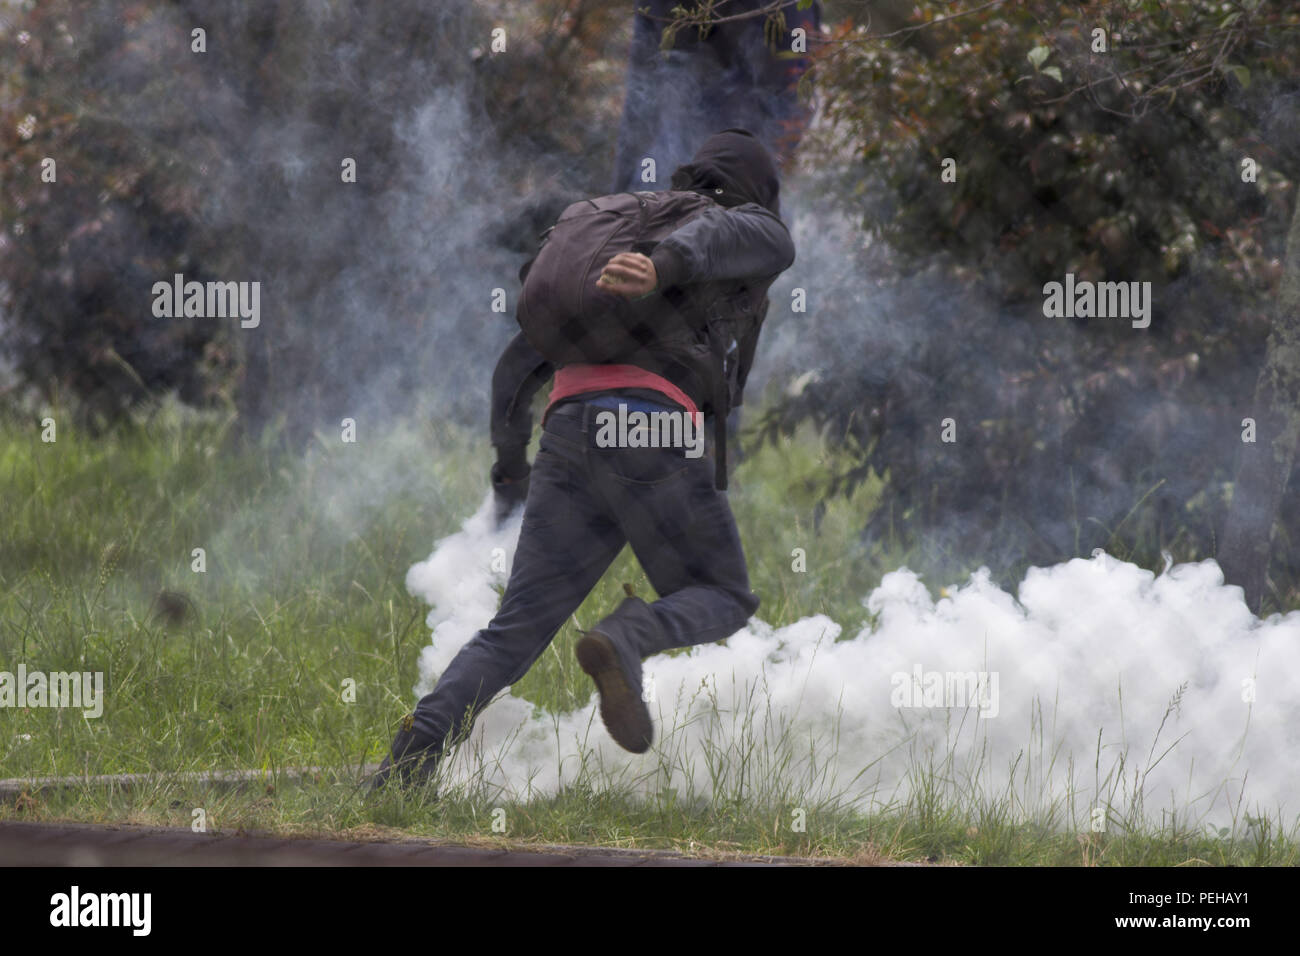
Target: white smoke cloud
(459, 580)
(1116, 688)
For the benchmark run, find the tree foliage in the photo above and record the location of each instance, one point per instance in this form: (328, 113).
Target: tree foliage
(225, 164)
(1123, 165)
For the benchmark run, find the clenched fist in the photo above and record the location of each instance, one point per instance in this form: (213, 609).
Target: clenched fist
(630, 274)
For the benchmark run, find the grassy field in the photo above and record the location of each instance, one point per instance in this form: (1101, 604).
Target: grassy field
(245, 665)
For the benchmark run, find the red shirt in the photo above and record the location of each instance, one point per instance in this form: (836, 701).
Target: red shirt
(580, 379)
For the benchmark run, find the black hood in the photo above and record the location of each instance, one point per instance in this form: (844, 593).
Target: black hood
(736, 162)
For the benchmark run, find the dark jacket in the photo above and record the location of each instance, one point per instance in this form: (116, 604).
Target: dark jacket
(717, 269)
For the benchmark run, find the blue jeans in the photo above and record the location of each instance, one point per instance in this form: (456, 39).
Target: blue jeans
(584, 503)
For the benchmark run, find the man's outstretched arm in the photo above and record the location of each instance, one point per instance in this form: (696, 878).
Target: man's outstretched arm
(520, 373)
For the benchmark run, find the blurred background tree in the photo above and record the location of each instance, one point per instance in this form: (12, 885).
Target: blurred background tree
(226, 165)
(1122, 165)
(1115, 165)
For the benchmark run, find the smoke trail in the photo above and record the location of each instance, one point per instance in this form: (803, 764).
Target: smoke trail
(1108, 687)
(460, 580)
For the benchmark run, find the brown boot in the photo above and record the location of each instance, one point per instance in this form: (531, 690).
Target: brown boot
(616, 669)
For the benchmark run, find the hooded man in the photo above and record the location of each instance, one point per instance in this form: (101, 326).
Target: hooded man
(588, 498)
(732, 167)
(730, 75)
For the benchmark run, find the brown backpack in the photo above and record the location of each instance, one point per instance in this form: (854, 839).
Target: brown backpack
(565, 315)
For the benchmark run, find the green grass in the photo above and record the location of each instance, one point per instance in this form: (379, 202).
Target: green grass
(306, 556)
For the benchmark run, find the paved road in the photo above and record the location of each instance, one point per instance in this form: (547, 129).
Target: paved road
(81, 844)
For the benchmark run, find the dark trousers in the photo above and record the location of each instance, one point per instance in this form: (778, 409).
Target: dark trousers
(584, 503)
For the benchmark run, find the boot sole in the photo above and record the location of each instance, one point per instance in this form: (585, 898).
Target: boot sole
(625, 714)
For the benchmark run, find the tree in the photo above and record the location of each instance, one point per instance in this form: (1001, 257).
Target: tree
(1122, 165)
(222, 157)
(1267, 466)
